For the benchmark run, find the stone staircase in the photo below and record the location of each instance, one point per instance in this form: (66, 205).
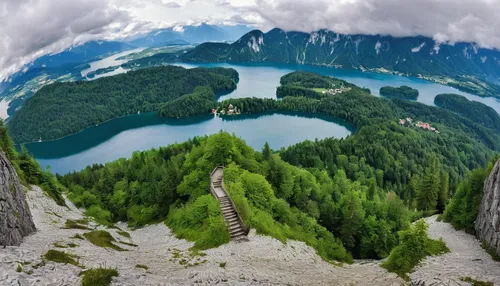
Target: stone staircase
(236, 227)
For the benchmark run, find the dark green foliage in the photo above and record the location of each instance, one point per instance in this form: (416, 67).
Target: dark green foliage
(28, 169)
(491, 251)
(61, 109)
(61, 257)
(141, 266)
(414, 246)
(124, 234)
(78, 224)
(475, 282)
(98, 277)
(402, 92)
(463, 208)
(201, 101)
(102, 238)
(473, 110)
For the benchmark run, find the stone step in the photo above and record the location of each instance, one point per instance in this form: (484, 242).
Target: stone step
(231, 216)
(226, 208)
(232, 219)
(237, 234)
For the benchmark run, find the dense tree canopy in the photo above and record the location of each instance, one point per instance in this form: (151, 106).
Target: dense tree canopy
(62, 109)
(473, 110)
(402, 92)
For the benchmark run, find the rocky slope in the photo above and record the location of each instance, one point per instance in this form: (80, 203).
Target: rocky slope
(15, 216)
(488, 218)
(260, 261)
(465, 259)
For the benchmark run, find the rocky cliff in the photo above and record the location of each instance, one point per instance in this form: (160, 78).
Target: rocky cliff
(488, 218)
(15, 217)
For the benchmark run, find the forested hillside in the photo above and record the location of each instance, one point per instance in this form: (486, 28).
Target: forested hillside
(346, 198)
(61, 109)
(479, 112)
(462, 65)
(421, 166)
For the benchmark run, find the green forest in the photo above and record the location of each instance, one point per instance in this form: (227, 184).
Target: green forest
(402, 92)
(473, 110)
(348, 198)
(61, 109)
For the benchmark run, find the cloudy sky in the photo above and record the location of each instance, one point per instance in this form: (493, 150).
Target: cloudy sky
(31, 28)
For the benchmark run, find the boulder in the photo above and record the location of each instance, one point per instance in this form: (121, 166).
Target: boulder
(15, 216)
(488, 218)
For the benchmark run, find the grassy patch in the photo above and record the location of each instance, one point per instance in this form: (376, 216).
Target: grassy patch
(78, 236)
(102, 238)
(59, 245)
(491, 251)
(76, 224)
(98, 277)
(127, 243)
(141, 266)
(61, 257)
(19, 268)
(124, 234)
(475, 282)
(222, 265)
(195, 252)
(72, 245)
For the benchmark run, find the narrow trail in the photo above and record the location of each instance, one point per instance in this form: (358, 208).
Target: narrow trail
(466, 259)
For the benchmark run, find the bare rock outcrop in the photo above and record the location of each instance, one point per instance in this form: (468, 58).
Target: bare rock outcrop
(15, 217)
(488, 218)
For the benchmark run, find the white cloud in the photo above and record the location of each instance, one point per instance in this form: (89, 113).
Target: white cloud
(32, 28)
(444, 20)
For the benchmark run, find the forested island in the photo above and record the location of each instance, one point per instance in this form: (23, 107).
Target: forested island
(61, 109)
(402, 92)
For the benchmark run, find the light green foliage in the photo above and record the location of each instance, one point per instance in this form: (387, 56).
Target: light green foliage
(98, 277)
(102, 216)
(102, 238)
(61, 257)
(414, 246)
(200, 221)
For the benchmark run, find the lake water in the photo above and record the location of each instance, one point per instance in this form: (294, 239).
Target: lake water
(121, 137)
(109, 62)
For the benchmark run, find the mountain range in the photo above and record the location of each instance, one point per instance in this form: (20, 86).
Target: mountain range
(192, 34)
(408, 55)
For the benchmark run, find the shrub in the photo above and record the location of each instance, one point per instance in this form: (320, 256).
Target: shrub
(100, 215)
(98, 277)
(414, 246)
(124, 234)
(200, 221)
(102, 238)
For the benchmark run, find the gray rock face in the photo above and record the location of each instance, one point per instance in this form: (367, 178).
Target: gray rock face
(488, 218)
(15, 217)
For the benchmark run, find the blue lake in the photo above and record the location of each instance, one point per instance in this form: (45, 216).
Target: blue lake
(121, 137)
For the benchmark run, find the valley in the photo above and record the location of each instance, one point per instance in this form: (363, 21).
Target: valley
(199, 153)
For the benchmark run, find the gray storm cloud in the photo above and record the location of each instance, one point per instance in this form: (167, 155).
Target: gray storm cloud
(31, 28)
(444, 20)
